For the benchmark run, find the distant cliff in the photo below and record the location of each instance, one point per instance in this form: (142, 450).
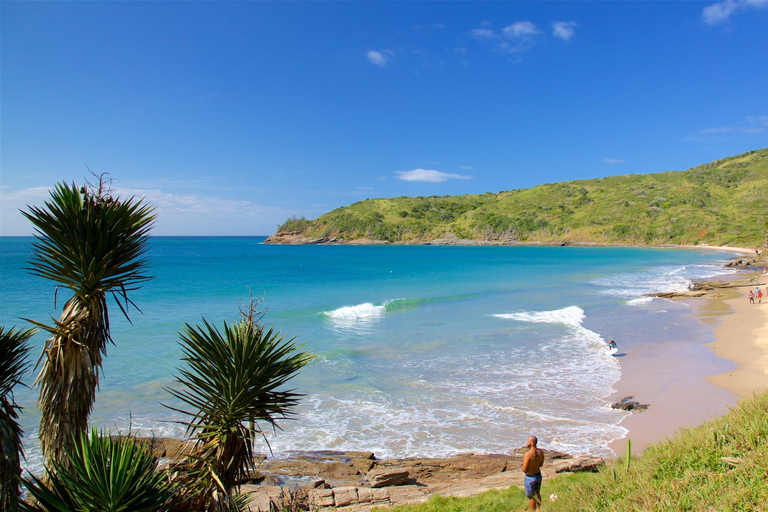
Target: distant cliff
(720, 203)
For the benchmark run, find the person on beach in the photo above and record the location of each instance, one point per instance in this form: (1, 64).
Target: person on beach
(751, 297)
(532, 462)
(759, 296)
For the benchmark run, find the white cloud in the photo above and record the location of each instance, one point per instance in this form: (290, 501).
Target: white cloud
(720, 12)
(513, 39)
(177, 214)
(381, 178)
(564, 29)
(613, 161)
(520, 29)
(483, 34)
(379, 58)
(467, 168)
(429, 176)
(364, 188)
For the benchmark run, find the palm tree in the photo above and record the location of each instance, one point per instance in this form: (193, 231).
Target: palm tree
(102, 474)
(233, 381)
(93, 245)
(13, 364)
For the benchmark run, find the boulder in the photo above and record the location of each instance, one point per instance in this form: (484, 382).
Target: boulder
(385, 477)
(578, 464)
(627, 404)
(321, 498)
(343, 496)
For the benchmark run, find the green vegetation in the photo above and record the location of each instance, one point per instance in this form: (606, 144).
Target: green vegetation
(90, 244)
(234, 379)
(719, 203)
(720, 465)
(13, 364)
(94, 245)
(102, 474)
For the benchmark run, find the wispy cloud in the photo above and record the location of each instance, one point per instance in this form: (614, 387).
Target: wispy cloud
(521, 29)
(467, 168)
(176, 213)
(512, 39)
(564, 29)
(613, 161)
(758, 120)
(379, 58)
(720, 12)
(483, 33)
(753, 125)
(365, 188)
(429, 27)
(429, 176)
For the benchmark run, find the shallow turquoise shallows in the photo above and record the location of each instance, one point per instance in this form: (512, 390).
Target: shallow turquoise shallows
(422, 351)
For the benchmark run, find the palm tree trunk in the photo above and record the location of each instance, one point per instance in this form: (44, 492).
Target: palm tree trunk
(69, 376)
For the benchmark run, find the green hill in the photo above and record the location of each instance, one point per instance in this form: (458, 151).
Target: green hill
(720, 203)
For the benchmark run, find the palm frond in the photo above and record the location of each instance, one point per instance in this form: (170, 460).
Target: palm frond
(13, 364)
(233, 377)
(103, 473)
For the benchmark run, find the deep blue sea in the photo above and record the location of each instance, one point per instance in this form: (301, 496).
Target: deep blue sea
(421, 351)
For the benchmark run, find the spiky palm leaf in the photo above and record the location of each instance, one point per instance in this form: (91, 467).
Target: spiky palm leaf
(92, 245)
(234, 377)
(103, 474)
(13, 364)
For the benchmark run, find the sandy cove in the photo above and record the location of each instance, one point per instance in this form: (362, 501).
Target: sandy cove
(687, 382)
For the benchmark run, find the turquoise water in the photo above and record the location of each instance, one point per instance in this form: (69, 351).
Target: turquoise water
(422, 351)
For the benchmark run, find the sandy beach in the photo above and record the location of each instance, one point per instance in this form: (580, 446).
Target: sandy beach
(686, 382)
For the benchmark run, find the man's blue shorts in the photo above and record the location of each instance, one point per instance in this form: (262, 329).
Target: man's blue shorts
(532, 485)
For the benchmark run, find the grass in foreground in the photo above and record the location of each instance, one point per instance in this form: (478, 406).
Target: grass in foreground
(721, 465)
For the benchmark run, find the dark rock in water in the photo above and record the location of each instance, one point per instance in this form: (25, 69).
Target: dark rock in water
(627, 404)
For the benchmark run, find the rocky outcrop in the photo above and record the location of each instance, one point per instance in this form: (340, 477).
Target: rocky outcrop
(296, 238)
(578, 465)
(384, 477)
(710, 288)
(356, 481)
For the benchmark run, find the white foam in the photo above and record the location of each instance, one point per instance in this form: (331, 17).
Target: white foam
(639, 301)
(669, 278)
(360, 311)
(572, 315)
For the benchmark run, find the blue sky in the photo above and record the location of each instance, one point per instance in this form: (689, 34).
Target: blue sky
(231, 116)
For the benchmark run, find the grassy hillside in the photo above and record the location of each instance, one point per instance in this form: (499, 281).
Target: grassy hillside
(720, 203)
(720, 465)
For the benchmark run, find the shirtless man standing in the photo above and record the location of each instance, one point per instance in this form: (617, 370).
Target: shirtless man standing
(532, 462)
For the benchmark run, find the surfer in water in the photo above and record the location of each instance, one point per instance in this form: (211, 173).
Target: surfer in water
(612, 345)
(532, 462)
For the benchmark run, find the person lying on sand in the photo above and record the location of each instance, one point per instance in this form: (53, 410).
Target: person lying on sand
(532, 462)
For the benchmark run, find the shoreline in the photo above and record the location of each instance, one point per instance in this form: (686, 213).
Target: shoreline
(686, 381)
(294, 238)
(675, 377)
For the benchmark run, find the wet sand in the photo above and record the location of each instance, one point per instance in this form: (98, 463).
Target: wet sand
(687, 382)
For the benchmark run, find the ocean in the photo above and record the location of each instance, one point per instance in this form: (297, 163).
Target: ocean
(421, 350)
